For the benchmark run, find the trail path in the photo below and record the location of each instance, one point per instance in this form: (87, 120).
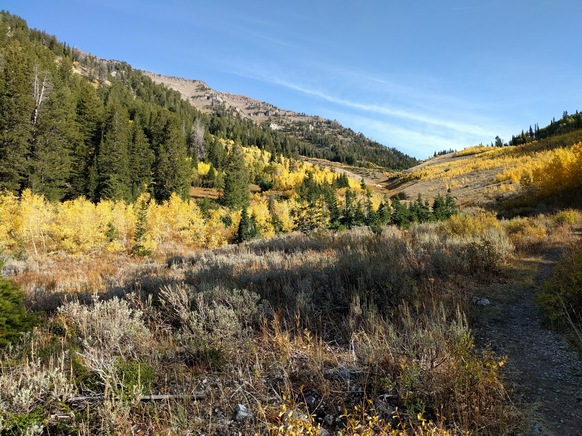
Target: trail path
(544, 376)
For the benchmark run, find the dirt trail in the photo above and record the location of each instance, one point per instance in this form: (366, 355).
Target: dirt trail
(544, 376)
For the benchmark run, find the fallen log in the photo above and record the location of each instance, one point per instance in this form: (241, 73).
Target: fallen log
(159, 397)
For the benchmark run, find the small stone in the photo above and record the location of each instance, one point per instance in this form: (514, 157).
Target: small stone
(311, 401)
(340, 373)
(241, 413)
(384, 409)
(536, 430)
(328, 420)
(481, 301)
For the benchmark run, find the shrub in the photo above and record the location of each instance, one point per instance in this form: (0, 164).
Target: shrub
(561, 295)
(526, 232)
(14, 319)
(212, 326)
(27, 393)
(106, 329)
(470, 224)
(489, 252)
(135, 376)
(429, 359)
(566, 217)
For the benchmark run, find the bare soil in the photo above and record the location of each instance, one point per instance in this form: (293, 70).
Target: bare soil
(544, 374)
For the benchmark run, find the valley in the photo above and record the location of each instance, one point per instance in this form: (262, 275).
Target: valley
(178, 260)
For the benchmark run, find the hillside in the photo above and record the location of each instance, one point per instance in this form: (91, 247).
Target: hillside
(525, 178)
(332, 140)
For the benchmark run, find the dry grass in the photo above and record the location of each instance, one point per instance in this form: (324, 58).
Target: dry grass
(197, 192)
(349, 332)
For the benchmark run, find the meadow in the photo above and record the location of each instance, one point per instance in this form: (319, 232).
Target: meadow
(347, 332)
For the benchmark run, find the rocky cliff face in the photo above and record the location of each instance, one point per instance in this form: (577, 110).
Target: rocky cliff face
(206, 99)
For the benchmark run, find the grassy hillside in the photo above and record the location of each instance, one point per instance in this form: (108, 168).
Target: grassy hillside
(541, 175)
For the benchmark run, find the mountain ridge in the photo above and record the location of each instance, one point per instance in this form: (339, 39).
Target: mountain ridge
(315, 129)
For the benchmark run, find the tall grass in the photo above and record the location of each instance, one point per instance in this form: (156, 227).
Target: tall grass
(341, 331)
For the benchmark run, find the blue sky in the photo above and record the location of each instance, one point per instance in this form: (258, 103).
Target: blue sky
(421, 76)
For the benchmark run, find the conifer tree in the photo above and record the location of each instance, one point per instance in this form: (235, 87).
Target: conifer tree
(171, 168)
(420, 210)
(141, 159)
(384, 211)
(450, 205)
(335, 213)
(14, 319)
(247, 228)
(400, 213)
(236, 192)
(16, 108)
(113, 155)
(439, 209)
(348, 219)
(55, 137)
(89, 114)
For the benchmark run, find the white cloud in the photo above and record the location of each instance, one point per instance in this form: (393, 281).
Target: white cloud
(409, 118)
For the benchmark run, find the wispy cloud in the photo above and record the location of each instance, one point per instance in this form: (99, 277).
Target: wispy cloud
(387, 110)
(396, 92)
(409, 118)
(410, 139)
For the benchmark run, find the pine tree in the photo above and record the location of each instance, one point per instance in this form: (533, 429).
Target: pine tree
(171, 168)
(348, 219)
(16, 108)
(450, 205)
(400, 213)
(236, 194)
(247, 228)
(335, 213)
(55, 137)
(141, 159)
(89, 114)
(14, 319)
(113, 180)
(384, 211)
(420, 210)
(439, 209)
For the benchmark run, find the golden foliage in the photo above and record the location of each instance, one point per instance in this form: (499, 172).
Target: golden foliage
(525, 165)
(525, 232)
(470, 224)
(33, 224)
(477, 149)
(562, 171)
(203, 168)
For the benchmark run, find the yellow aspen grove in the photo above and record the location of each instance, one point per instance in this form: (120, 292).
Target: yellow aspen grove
(259, 208)
(216, 234)
(578, 167)
(35, 217)
(120, 224)
(10, 221)
(78, 228)
(175, 221)
(561, 172)
(283, 210)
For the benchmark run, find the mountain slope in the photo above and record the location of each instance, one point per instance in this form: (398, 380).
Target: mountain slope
(541, 173)
(332, 141)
